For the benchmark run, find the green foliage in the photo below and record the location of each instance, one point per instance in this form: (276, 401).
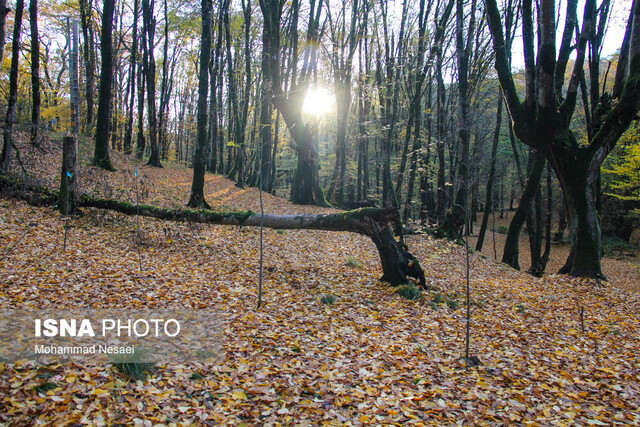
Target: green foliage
(133, 366)
(615, 244)
(622, 172)
(438, 298)
(410, 292)
(328, 299)
(44, 387)
(135, 370)
(352, 262)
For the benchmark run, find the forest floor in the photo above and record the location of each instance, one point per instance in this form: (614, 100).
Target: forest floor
(366, 356)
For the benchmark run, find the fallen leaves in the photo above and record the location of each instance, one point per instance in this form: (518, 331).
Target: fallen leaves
(371, 357)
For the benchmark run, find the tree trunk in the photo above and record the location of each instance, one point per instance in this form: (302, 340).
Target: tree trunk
(35, 72)
(578, 180)
(131, 84)
(7, 147)
(101, 153)
(68, 200)
(197, 199)
(511, 246)
(86, 11)
(149, 66)
(4, 11)
(140, 140)
(488, 205)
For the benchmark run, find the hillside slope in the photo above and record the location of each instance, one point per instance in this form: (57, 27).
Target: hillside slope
(368, 357)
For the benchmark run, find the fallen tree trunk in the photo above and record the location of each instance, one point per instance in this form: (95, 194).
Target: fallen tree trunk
(398, 265)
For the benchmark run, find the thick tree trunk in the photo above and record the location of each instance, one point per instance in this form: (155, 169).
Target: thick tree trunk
(101, 153)
(7, 148)
(149, 66)
(306, 185)
(578, 180)
(398, 265)
(68, 200)
(197, 199)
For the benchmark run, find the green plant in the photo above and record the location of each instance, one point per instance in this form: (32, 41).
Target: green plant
(134, 365)
(409, 292)
(438, 299)
(328, 299)
(452, 304)
(352, 262)
(520, 308)
(44, 387)
(280, 231)
(616, 244)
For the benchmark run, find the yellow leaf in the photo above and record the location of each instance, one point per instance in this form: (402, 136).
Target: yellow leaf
(238, 395)
(99, 392)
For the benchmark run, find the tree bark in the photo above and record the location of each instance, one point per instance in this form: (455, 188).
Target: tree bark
(86, 11)
(149, 66)
(511, 246)
(101, 153)
(68, 200)
(488, 205)
(4, 11)
(7, 147)
(35, 72)
(197, 199)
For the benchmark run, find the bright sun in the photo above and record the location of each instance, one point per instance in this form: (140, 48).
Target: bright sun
(318, 101)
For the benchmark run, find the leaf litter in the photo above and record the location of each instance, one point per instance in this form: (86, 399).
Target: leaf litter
(370, 357)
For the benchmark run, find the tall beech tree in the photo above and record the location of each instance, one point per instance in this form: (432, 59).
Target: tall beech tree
(7, 147)
(89, 53)
(543, 119)
(35, 72)
(101, 153)
(197, 199)
(149, 68)
(306, 185)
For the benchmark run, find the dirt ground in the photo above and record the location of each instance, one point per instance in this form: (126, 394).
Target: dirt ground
(621, 269)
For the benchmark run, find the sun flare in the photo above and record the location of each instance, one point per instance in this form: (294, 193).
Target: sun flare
(318, 101)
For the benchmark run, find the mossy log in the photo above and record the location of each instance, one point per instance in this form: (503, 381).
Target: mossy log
(398, 265)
